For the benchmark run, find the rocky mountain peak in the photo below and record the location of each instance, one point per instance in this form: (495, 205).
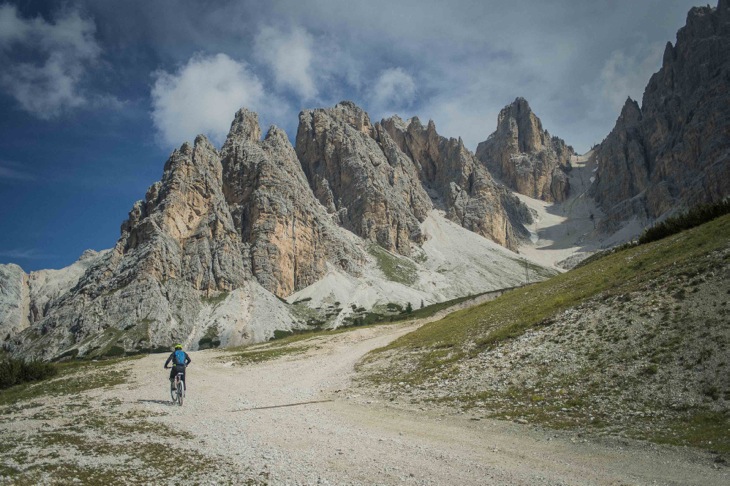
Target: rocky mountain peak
(630, 113)
(457, 183)
(671, 152)
(524, 156)
(356, 171)
(245, 125)
(518, 121)
(351, 114)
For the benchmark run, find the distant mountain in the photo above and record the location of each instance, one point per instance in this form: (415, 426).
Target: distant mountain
(361, 218)
(673, 152)
(210, 254)
(525, 157)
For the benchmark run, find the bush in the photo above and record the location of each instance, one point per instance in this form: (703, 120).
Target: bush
(114, 352)
(16, 371)
(208, 342)
(694, 217)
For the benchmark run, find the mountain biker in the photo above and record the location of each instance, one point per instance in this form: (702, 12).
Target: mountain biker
(180, 360)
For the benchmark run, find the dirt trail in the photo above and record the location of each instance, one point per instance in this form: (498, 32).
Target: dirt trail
(293, 420)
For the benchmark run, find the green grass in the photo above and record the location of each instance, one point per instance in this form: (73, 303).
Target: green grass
(396, 268)
(73, 377)
(440, 350)
(14, 371)
(215, 299)
(690, 219)
(521, 309)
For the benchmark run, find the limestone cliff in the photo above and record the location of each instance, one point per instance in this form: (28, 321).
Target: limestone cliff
(673, 152)
(202, 259)
(177, 269)
(458, 184)
(361, 177)
(288, 233)
(524, 156)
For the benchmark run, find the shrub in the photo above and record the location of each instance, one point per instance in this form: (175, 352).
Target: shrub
(114, 352)
(208, 342)
(16, 371)
(694, 217)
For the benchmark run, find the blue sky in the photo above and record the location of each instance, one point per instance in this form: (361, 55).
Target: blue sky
(95, 94)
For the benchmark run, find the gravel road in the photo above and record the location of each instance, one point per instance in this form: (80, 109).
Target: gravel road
(297, 420)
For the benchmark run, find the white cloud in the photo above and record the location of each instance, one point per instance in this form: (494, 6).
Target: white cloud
(56, 56)
(626, 73)
(290, 56)
(24, 254)
(14, 171)
(393, 89)
(202, 97)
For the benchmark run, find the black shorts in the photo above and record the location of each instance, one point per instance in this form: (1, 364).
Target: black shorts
(177, 369)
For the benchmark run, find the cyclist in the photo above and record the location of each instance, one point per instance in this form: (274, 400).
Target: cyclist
(180, 360)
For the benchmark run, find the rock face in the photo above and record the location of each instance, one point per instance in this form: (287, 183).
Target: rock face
(202, 259)
(673, 152)
(360, 176)
(179, 266)
(526, 157)
(289, 234)
(13, 300)
(380, 180)
(458, 184)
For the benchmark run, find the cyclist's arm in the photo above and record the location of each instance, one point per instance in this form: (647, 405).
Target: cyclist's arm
(187, 359)
(169, 358)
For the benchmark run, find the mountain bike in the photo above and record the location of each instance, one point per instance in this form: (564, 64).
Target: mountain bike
(177, 392)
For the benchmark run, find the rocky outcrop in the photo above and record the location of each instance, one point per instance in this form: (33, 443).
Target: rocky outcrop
(203, 258)
(525, 157)
(673, 152)
(359, 175)
(13, 301)
(184, 229)
(290, 237)
(458, 184)
(623, 170)
(176, 270)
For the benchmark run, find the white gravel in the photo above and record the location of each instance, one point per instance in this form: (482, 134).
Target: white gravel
(250, 415)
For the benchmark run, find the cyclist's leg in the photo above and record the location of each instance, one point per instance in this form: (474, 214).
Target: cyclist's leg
(185, 386)
(172, 378)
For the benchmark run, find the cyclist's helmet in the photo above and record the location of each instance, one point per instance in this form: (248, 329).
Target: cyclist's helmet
(178, 346)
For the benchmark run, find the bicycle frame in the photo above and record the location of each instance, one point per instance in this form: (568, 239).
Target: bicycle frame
(178, 391)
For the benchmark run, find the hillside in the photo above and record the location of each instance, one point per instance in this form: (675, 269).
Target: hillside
(633, 344)
(285, 413)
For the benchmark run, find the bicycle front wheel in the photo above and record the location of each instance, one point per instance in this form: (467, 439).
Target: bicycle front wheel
(173, 394)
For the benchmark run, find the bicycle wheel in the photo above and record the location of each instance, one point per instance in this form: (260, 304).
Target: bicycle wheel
(173, 394)
(180, 393)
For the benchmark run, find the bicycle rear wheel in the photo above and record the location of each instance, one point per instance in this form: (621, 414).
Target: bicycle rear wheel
(173, 393)
(180, 393)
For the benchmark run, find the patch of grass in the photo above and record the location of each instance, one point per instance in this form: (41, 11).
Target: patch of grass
(215, 299)
(73, 378)
(694, 217)
(14, 371)
(265, 354)
(396, 268)
(704, 429)
(210, 339)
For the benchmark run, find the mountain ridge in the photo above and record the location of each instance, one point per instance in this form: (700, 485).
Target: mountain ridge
(261, 220)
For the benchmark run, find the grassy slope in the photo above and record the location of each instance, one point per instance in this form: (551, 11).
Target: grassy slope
(442, 353)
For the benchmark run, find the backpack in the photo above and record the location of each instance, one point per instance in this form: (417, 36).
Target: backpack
(180, 357)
